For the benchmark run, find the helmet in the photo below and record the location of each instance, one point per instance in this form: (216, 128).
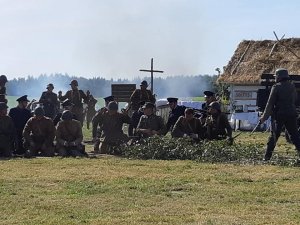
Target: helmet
(74, 82)
(215, 105)
(280, 74)
(3, 78)
(67, 115)
(39, 111)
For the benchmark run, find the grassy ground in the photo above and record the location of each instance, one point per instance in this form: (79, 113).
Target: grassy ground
(112, 190)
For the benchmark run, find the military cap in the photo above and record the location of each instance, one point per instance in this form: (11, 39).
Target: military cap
(39, 111)
(23, 99)
(171, 99)
(3, 78)
(74, 82)
(3, 105)
(208, 93)
(215, 105)
(281, 73)
(148, 105)
(66, 102)
(67, 115)
(112, 106)
(144, 83)
(50, 85)
(109, 98)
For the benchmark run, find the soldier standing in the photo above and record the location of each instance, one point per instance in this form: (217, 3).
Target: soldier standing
(150, 124)
(7, 132)
(50, 102)
(91, 111)
(282, 108)
(142, 94)
(175, 113)
(3, 81)
(188, 126)
(111, 123)
(20, 115)
(69, 136)
(76, 97)
(209, 97)
(39, 133)
(217, 124)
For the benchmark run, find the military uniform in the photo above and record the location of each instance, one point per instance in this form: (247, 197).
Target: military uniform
(7, 135)
(39, 135)
(151, 122)
(69, 138)
(50, 103)
(91, 111)
(174, 114)
(141, 95)
(218, 126)
(184, 127)
(3, 81)
(281, 105)
(111, 126)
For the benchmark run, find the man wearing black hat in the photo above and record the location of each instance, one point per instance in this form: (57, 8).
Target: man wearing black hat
(175, 113)
(3, 81)
(141, 95)
(209, 97)
(20, 115)
(150, 124)
(77, 97)
(39, 133)
(66, 105)
(7, 132)
(50, 102)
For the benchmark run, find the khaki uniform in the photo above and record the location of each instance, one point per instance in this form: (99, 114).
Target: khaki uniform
(39, 136)
(139, 96)
(91, 111)
(111, 126)
(184, 127)
(152, 122)
(69, 138)
(218, 126)
(7, 134)
(76, 97)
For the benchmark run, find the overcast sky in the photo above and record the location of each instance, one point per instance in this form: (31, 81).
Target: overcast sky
(116, 38)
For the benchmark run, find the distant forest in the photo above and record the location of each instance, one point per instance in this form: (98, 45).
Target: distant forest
(179, 86)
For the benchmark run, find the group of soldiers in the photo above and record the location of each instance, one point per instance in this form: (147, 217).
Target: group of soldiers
(49, 131)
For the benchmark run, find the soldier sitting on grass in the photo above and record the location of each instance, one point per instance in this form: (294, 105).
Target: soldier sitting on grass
(188, 126)
(39, 133)
(69, 136)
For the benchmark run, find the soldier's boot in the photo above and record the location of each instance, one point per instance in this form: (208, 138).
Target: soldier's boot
(268, 155)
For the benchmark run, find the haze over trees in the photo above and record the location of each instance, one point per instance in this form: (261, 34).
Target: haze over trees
(180, 86)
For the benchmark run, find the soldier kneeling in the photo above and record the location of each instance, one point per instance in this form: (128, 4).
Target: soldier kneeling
(69, 136)
(39, 133)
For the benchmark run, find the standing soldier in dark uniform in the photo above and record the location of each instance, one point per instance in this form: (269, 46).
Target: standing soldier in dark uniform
(20, 115)
(217, 124)
(3, 81)
(188, 126)
(7, 132)
(175, 113)
(76, 96)
(282, 108)
(111, 123)
(209, 97)
(50, 102)
(140, 95)
(69, 136)
(150, 124)
(39, 133)
(91, 111)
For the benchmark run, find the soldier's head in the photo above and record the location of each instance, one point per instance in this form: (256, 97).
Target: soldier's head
(3, 80)
(189, 113)
(23, 101)
(39, 112)
(67, 104)
(112, 107)
(50, 87)
(209, 97)
(172, 102)
(88, 92)
(67, 115)
(109, 99)
(214, 108)
(281, 74)
(148, 108)
(74, 84)
(144, 85)
(142, 103)
(3, 109)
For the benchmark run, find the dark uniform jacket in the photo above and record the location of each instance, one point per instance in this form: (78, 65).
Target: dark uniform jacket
(139, 96)
(188, 127)
(20, 117)
(152, 122)
(69, 131)
(282, 100)
(135, 118)
(7, 131)
(50, 103)
(174, 114)
(218, 126)
(111, 126)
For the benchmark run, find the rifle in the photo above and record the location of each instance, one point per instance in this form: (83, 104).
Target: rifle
(254, 129)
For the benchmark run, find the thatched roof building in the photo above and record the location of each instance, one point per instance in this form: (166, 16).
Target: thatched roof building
(252, 58)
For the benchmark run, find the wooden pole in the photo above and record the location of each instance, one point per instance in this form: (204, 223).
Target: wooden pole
(152, 75)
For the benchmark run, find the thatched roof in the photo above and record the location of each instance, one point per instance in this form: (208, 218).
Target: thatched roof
(252, 58)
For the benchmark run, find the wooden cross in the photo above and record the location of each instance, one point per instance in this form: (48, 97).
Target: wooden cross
(152, 71)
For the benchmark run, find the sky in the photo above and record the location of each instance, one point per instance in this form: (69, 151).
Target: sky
(117, 38)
